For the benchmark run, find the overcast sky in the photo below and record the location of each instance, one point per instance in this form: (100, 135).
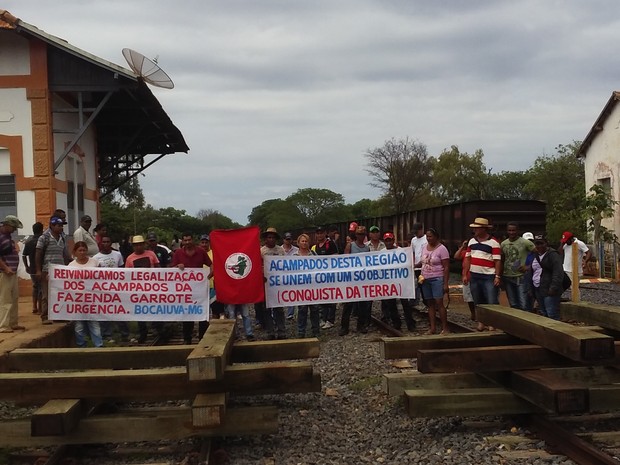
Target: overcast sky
(273, 96)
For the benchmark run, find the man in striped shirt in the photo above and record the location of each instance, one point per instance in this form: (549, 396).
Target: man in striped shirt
(482, 265)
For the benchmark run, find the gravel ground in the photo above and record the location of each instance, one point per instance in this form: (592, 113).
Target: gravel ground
(352, 421)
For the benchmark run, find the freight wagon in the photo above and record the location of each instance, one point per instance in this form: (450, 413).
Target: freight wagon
(452, 221)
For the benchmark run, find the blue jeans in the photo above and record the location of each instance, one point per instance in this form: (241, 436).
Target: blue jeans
(515, 291)
(433, 288)
(549, 305)
(482, 289)
(244, 309)
(94, 330)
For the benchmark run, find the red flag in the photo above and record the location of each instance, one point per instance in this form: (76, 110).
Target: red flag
(238, 265)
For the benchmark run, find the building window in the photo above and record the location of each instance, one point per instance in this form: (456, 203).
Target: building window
(8, 195)
(605, 183)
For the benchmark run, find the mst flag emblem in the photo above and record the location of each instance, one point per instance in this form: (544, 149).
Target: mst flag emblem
(238, 265)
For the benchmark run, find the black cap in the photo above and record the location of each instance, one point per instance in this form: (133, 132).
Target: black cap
(151, 236)
(320, 229)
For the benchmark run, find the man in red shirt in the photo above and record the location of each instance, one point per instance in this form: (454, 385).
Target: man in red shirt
(191, 256)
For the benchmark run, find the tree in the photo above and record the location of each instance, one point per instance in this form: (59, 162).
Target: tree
(559, 180)
(599, 204)
(402, 169)
(366, 208)
(213, 219)
(318, 206)
(459, 177)
(280, 214)
(509, 185)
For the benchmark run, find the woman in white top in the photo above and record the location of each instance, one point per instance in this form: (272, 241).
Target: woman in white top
(82, 260)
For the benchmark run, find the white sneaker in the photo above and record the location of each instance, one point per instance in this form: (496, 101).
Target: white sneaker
(327, 325)
(321, 323)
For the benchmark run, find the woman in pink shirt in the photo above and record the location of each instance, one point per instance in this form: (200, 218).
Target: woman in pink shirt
(435, 276)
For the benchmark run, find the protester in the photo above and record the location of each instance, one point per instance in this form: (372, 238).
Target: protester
(334, 235)
(29, 259)
(482, 265)
(82, 260)
(289, 249)
(9, 261)
(435, 267)
(529, 297)
(363, 308)
(101, 230)
(389, 307)
(418, 242)
(143, 258)
(109, 258)
(82, 234)
(375, 243)
(467, 297)
(514, 252)
(546, 278)
(162, 252)
(303, 241)
(325, 246)
(51, 250)
(268, 316)
(583, 256)
(218, 309)
(190, 256)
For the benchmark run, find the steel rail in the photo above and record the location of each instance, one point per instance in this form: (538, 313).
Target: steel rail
(569, 444)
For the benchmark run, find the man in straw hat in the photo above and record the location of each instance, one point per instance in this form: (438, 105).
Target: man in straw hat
(9, 261)
(482, 266)
(267, 316)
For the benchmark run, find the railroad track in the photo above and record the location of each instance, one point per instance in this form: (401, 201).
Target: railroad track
(558, 439)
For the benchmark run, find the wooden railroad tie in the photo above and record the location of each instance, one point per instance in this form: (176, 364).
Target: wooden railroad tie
(537, 365)
(205, 374)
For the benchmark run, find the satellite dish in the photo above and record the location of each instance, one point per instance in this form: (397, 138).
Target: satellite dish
(147, 69)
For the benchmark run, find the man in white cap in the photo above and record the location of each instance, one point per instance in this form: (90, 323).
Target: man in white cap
(9, 261)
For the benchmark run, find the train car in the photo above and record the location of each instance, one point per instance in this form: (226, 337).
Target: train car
(452, 221)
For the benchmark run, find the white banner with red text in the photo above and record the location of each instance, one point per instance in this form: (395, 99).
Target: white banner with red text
(128, 294)
(316, 279)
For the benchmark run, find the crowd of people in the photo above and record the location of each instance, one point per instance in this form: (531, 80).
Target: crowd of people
(524, 266)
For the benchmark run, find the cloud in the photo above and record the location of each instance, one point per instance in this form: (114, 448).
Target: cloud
(274, 96)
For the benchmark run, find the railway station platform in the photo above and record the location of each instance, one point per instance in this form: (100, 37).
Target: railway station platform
(36, 334)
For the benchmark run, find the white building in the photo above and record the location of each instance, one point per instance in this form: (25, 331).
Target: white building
(73, 127)
(601, 153)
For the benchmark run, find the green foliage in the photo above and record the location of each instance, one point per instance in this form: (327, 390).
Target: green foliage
(509, 185)
(213, 219)
(126, 219)
(460, 177)
(599, 204)
(559, 180)
(277, 213)
(318, 206)
(366, 208)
